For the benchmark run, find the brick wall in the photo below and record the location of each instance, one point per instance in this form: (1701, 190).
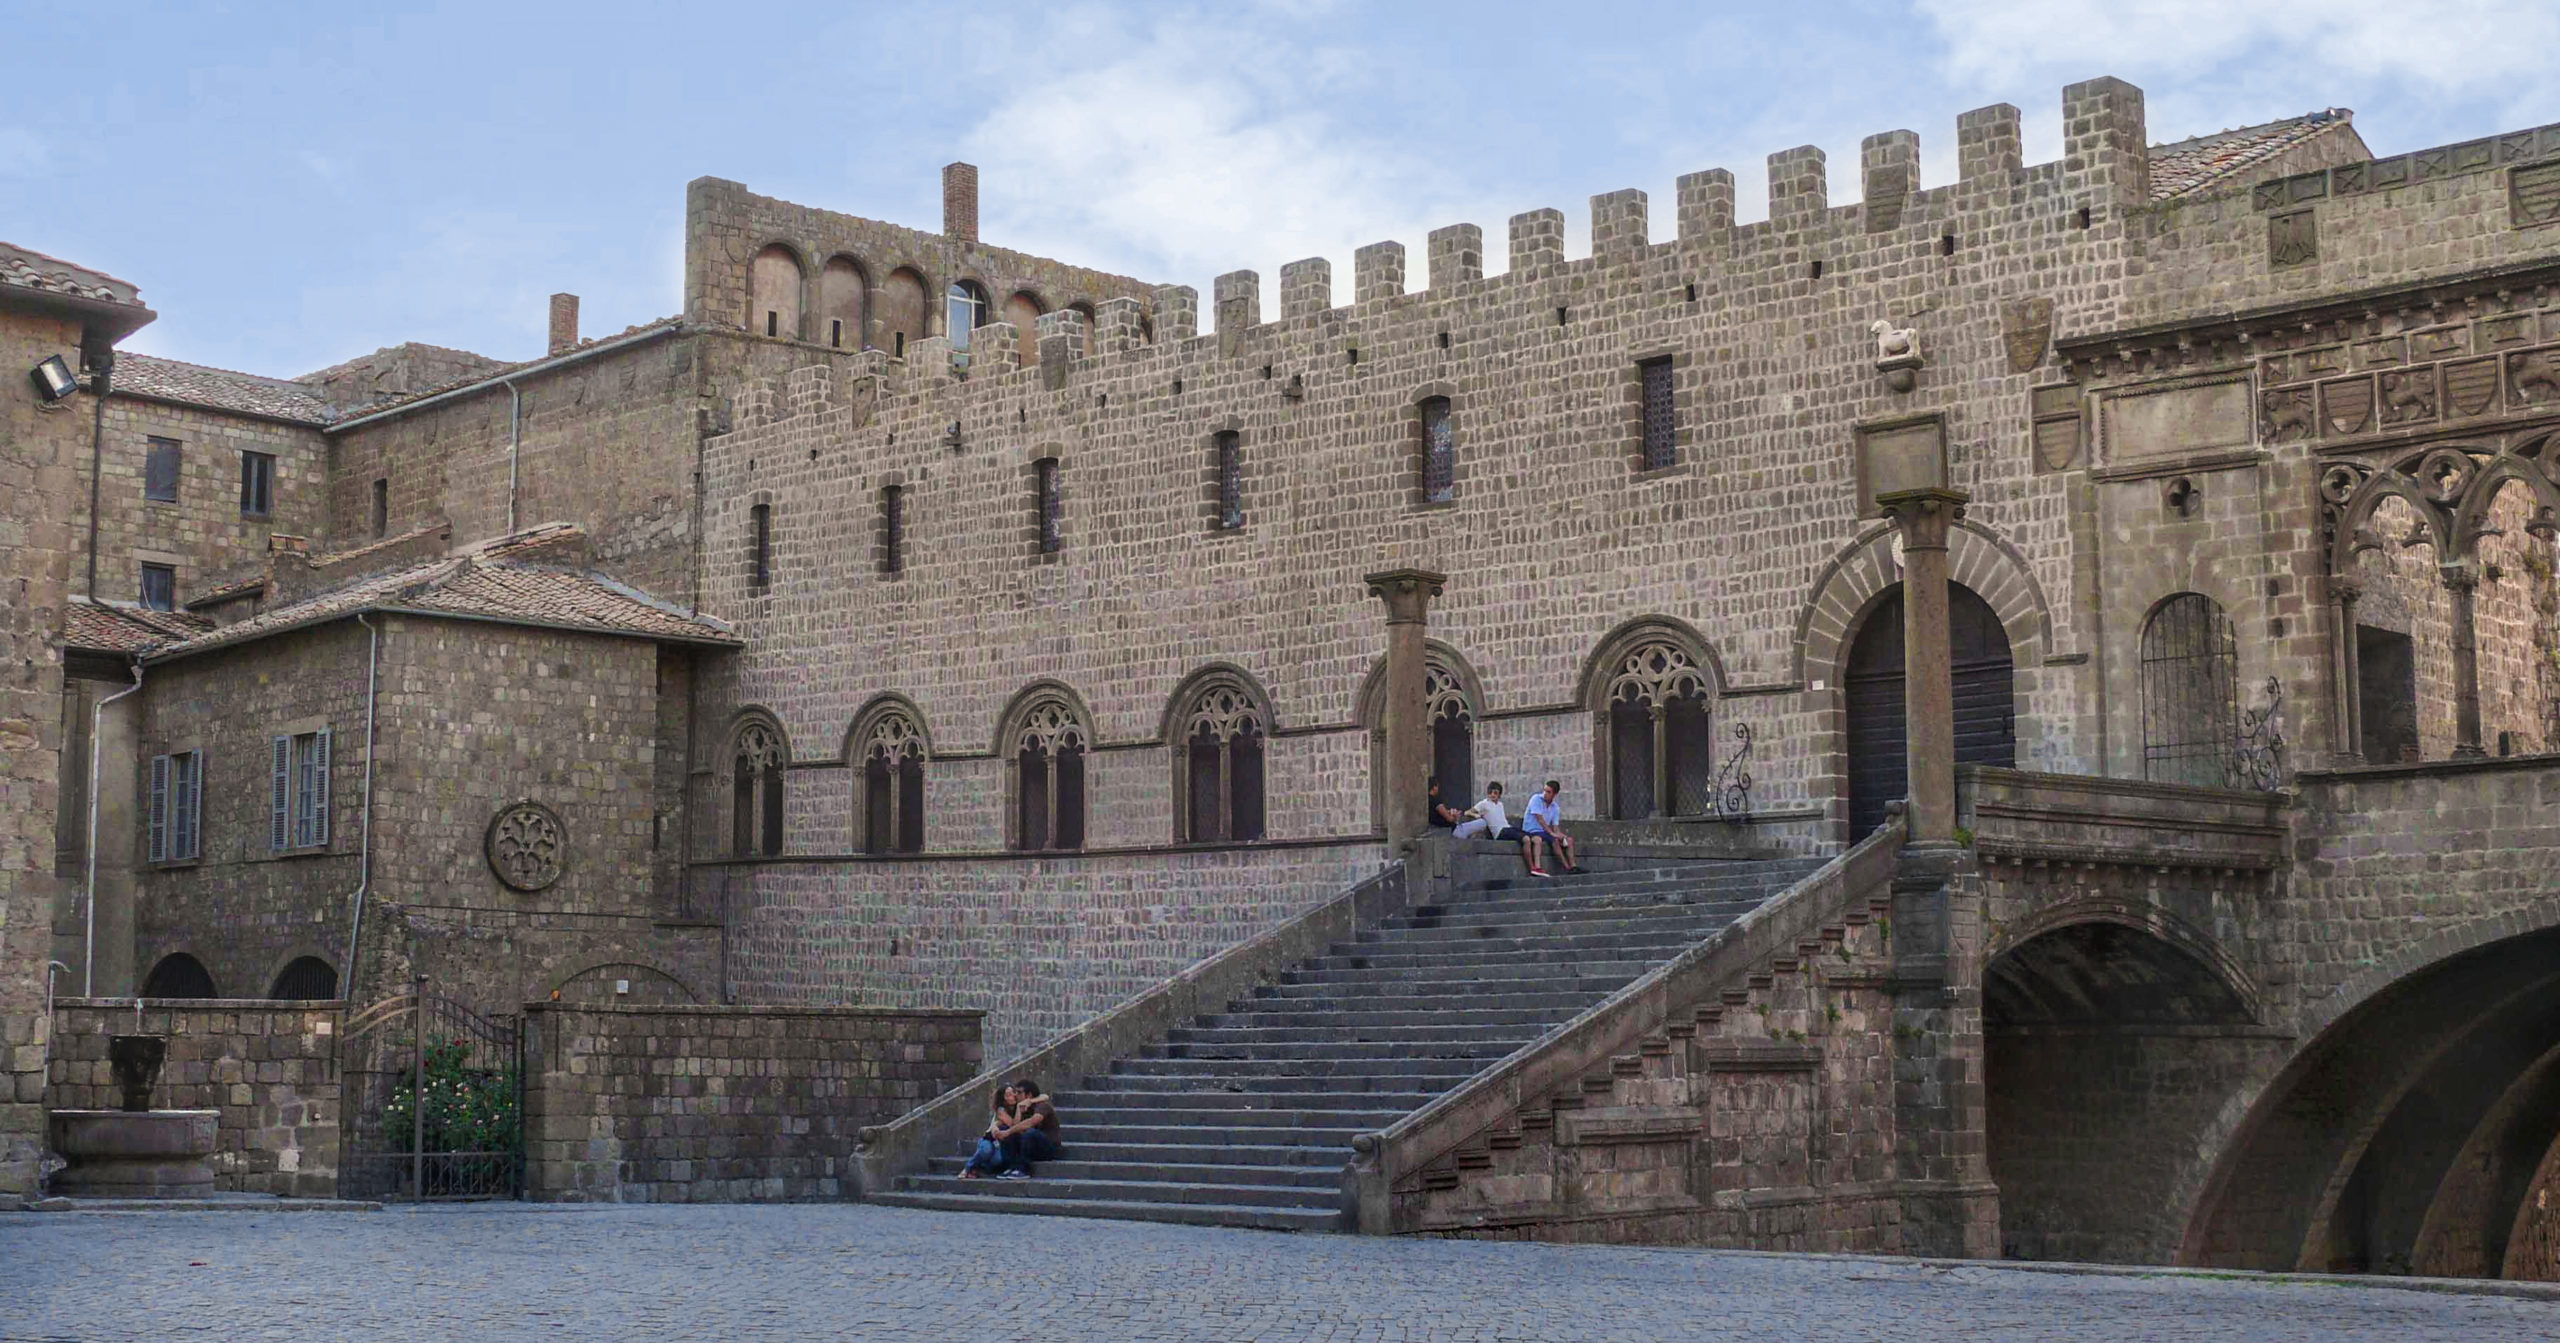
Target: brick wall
(270, 1068)
(723, 1104)
(38, 447)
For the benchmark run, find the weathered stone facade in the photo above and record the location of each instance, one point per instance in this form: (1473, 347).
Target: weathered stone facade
(716, 1104)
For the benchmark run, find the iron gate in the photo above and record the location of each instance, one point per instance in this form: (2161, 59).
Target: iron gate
(434, 1102)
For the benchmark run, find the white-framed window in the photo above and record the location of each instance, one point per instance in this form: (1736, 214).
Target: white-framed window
(298, 804)
(177, 807)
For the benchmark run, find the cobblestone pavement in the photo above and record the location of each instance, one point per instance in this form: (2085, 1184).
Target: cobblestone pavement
(854, 1272)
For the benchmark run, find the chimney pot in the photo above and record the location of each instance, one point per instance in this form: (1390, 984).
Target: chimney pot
(960, 201)
(564, 322)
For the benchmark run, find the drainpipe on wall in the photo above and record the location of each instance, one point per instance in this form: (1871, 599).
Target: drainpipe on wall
(515, 444)
(102, 369)
(89, 896)
(364, 860)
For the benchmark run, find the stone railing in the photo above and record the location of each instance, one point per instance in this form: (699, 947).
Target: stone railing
(943, 1126)
(2020, 817)
(1391, 1160)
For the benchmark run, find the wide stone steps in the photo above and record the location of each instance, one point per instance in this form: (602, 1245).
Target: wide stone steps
(1244, 1117)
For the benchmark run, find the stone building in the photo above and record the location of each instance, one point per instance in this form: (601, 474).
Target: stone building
(913, 623)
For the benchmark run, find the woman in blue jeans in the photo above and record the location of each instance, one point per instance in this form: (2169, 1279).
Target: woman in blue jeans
(1033, 1136)
(989, 1158)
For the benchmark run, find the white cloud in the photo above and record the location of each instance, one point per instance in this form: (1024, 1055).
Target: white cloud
(1197, 147)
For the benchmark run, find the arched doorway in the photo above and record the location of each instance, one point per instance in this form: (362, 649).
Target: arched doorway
(1985, 699)
(2109, 1045)
(179, 975)
(305, 979)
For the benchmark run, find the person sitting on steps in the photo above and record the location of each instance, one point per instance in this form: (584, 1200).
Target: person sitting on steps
(1545, 825)
(1440, 814)
(1487, 819)
(989, 1158)
(1034, 1134)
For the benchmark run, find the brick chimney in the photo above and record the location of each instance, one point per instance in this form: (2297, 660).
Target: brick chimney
(564, 322)
(960, 201)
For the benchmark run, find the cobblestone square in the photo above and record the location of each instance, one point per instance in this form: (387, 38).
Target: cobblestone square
(847, 1271)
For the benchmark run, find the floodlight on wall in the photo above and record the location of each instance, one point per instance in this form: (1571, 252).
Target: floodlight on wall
(53, 378)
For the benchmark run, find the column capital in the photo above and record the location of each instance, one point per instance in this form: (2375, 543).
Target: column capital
(1408, 593)
(2459, 576)
(2347, 590)
(1924, 515)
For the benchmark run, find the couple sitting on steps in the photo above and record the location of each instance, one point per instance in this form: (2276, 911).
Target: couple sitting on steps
(1543, 825)
(1021, 1128)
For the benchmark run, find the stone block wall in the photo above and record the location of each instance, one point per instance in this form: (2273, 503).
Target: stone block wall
(270, 1068)
(203, 533)
(37, 546)
(1040, 944)
(724, 1104)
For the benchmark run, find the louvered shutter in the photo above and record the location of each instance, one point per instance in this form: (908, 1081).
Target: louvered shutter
(159, 808)
(280, 808)
(190, 812)
(320, 788)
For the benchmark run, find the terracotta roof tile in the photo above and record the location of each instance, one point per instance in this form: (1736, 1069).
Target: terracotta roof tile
(2190, 165)
(26, 268)
(482, 583)
(100, 627)
(220, 389)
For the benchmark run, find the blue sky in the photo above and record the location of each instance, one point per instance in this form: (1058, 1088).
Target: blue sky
(293, 185)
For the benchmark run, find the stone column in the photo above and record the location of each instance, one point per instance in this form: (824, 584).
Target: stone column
(1407, 772)
(2460, 580)
(1928, 677)
(2350, 671)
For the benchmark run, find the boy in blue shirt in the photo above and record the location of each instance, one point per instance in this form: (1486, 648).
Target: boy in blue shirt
(1545, 825)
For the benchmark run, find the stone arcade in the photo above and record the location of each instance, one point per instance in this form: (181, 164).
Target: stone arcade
(2059, 672)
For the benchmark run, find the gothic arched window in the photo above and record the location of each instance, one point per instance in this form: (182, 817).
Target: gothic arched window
(1654, 704)
(889, 754)
(1218, 756)
(1048, 745)
(756, 763)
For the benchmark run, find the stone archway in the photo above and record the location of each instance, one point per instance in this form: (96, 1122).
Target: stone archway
(2111, 1037)
(2416, 1133)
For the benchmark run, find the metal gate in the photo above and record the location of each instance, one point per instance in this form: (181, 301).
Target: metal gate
(434, 1101)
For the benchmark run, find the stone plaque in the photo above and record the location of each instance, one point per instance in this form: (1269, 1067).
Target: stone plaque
(1900, 455)
(2292, 240)
(2180, 417)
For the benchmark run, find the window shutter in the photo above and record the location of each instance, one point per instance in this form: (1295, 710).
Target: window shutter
(320, 788)
(159, 808)
(187, 809)
(280, 811)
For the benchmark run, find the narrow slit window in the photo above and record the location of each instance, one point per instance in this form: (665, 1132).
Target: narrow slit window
(1661, 422)
(381, 509)
(1046, 504)
(835, 332)
(1230, 480)
(1439, 452)
(893, 529)
(760, 547)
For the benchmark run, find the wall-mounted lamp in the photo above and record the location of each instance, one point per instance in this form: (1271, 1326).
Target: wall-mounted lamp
(54, 379)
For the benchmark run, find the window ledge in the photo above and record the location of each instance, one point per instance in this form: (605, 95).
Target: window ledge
(1644, 476)
(1431, 506)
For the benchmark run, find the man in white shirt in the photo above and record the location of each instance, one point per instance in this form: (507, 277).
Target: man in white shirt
(1487, 819)
(1545, 825)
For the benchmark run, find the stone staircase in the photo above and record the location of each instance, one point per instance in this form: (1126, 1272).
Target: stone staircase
(1245, 1118)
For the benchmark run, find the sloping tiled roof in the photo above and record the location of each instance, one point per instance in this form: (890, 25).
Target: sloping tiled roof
(2188, 165)
(26, 268)
(219, 388)
(481, 583)
(99, 627)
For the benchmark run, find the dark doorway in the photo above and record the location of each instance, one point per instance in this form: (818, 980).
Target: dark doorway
(179, 975)
(1985, 700)
(307, 979)
(2387, 694)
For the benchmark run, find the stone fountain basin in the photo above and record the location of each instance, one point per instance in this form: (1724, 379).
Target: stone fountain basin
(135, 1153)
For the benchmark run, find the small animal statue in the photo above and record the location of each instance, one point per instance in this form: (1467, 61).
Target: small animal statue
(1892, 342)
